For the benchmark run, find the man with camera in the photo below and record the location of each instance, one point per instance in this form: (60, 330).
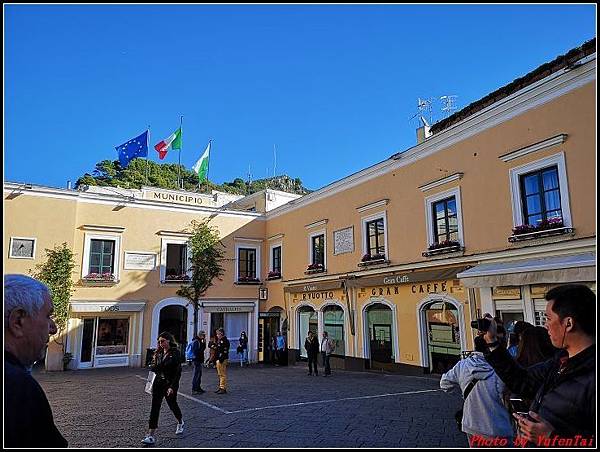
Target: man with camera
(563, 389)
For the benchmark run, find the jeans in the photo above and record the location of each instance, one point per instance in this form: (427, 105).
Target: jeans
(312, 362)
(244, 356)
(326, 363)
(158, 392)
(222, 372)
(197, 377)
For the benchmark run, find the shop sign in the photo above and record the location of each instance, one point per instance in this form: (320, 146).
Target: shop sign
(139, 261)
(506, 293)
(264, 315)
(406, 278)
(228, 308)
(314, 287)
(86, 306)
(434, 287)
(539, 290)
(318, 296)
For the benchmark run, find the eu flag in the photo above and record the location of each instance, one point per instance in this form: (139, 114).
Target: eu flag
(136, 147)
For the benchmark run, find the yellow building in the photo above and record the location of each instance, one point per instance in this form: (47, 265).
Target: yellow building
(393, 261)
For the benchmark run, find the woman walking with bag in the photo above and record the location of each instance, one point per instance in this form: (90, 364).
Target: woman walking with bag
(166, 364)
(242, 349)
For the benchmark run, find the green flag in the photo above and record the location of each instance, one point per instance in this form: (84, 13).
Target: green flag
(176, 144)
(201, 166)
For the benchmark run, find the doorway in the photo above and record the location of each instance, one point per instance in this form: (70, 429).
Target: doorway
(443, 336)
(173, 319)
(379, 326)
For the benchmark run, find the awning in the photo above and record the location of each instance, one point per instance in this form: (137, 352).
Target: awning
(557, 269)
(406, 278)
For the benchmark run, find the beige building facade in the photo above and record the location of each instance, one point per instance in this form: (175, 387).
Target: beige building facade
(491, 208)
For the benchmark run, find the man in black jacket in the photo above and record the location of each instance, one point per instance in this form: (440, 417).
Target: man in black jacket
(563, 389)
(222, 360)
(198, 347)
(311, 344)
(28, 324)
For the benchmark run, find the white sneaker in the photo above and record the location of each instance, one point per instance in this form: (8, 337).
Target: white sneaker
(149, 439)
(179, 428)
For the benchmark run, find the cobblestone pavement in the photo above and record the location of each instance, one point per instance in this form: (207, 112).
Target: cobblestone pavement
(264, 407)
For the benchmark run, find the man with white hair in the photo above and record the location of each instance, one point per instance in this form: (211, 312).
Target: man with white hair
(28, 325)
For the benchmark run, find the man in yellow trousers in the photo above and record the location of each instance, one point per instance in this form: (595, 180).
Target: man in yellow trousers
(222, 360)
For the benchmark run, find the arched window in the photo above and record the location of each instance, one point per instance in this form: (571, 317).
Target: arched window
(307, 320)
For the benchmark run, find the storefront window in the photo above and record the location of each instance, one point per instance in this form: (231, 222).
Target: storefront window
(113, 336)
(333, 322)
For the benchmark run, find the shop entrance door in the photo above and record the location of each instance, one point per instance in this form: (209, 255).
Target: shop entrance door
(270, 326)
(379, 325)
(443, 336)
(88, 339)
(173, 319)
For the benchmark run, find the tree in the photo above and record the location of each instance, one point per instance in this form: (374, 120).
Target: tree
(57, 273)
(206, 255)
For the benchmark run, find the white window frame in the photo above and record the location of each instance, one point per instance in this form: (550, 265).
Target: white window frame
(163, 256)
(10, 255)
(271, 246)
(85, 268)
(322, 232)
(250, 245)
(429, 201)
(515, 186)
(364, 221)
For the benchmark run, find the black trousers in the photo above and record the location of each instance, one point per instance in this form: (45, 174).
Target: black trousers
(326, 363)
(158, 393)
(312, 361)
(197, 378)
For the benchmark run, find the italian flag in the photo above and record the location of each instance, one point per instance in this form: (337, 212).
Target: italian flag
(174, 141)
(201, 166)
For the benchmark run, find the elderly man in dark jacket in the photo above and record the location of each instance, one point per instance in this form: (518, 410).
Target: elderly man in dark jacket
(28, 323)
(563, 389)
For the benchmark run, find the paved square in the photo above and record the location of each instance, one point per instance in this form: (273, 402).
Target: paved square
(265, 407)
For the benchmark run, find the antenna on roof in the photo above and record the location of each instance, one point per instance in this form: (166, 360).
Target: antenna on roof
(424, 113)
(448, 105)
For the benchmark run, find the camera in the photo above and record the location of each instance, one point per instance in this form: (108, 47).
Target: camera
(481, 324)
(519, 406)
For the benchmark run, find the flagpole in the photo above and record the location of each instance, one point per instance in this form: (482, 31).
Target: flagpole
(181, 139)
(208, 168)
(148, 146)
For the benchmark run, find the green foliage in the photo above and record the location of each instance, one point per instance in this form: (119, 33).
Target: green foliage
(206, 255)
(56, 272)
(141, 172)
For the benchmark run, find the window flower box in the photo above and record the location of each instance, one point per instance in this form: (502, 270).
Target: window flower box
(546, 228)
(180, 279)
(274, 275)
(447, 246)
(375, 259)
(246, 280)
(99, 279)
(314, 268)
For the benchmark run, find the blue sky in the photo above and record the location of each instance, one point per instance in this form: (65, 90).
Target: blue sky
(332, 86)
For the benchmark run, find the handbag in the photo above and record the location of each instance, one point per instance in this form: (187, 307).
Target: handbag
(150, 382)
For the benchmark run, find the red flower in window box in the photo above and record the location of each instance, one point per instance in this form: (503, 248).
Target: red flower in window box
(183, 277)
(274, 274)
(444, 244)
(247, 279)
(375, 257)
(550, 223)
(100, 277)
(315, 267)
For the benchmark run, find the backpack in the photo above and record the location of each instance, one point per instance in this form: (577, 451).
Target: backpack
(459, 414)
(190, 354)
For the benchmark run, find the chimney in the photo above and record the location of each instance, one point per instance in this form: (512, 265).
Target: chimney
(69, 185)
(423, 132)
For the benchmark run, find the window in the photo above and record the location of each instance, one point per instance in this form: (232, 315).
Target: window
(247, 263)
(445, 220)
(540, 192)
(22, 248)
(375, 230)
(176, 261)
(102, 257)
(276, 259)
(333, 323)
(318, 249)
(540, 196)
(112, 336)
